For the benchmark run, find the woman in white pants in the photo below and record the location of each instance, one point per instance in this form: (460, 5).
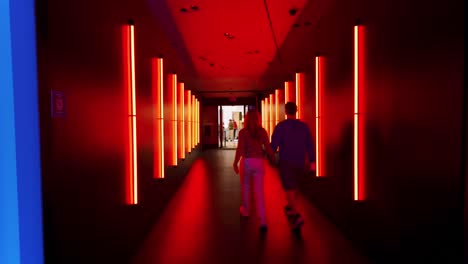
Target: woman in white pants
(253, 142)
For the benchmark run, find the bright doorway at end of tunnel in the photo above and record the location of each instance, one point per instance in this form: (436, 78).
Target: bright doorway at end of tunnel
(230, 122)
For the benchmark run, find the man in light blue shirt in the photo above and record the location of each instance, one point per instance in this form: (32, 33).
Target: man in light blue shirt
(294, 140)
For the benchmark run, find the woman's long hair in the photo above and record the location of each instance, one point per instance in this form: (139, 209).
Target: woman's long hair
(253, 124)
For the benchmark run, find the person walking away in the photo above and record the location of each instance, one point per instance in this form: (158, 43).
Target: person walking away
(253, 138)
(294, 140)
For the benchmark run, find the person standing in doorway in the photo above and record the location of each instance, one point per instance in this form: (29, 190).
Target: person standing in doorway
(253, 138)
(294, 140)
(230, 128)
(234, 125)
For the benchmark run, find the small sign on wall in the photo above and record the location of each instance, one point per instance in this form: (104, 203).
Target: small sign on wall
(57, 104)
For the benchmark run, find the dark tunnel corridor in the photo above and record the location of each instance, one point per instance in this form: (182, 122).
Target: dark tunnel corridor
(113, 134)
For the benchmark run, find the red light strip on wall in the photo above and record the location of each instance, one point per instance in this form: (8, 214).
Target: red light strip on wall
(358, 118)
(277, 103)
(188, 121)
(262, 105)
(318, 115)
(158, 110)
(299, 89)
(181, 121)
(198, 121)
(174, 118)
(287, 94)
(267, 115)
(193, 122)
(272, 113)
(132, 168)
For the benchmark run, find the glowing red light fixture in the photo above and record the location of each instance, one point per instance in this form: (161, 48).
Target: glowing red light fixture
(359, 172)
(129, 73)
(158, 125)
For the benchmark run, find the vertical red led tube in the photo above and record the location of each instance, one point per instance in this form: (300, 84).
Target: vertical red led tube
(299, 90)
(172, 119)
(277, 105)
(197, 125)
(287, 94)
(158, 113)
(318, 115)
(193, 122)
(267, 115)
(181, 122)
(198, 122)
(188, 121)
(272, 113)
(263, 112)
(131, 153)
(359, 114)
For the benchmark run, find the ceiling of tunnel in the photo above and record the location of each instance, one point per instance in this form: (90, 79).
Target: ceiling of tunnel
(233, 44)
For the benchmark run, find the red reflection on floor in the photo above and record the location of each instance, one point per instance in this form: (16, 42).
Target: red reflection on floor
(202, 225)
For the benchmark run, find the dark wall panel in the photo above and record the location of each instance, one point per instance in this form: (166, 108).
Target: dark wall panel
(209, 120)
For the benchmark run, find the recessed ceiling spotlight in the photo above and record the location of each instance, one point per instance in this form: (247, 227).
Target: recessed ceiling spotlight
(194, 7)
(296, 25)
(293, 11)
(257, 51)
(183, 10)
(307, 24)
(249, 52)
(227, 34)
(212, 64)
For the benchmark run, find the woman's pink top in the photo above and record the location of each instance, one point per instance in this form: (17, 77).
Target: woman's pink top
(250, 147)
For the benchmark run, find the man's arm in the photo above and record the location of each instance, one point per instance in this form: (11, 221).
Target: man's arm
(310, 147)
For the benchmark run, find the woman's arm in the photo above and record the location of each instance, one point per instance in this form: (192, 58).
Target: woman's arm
(239, 151)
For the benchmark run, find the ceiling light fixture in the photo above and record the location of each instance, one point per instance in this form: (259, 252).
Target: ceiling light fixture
(194, 7)
(228, 35)
(183, 10)
(293, 11)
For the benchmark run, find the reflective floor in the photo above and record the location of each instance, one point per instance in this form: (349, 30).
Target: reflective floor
(202, 224)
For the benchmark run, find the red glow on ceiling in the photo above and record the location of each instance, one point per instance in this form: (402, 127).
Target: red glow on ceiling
(207, 36)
